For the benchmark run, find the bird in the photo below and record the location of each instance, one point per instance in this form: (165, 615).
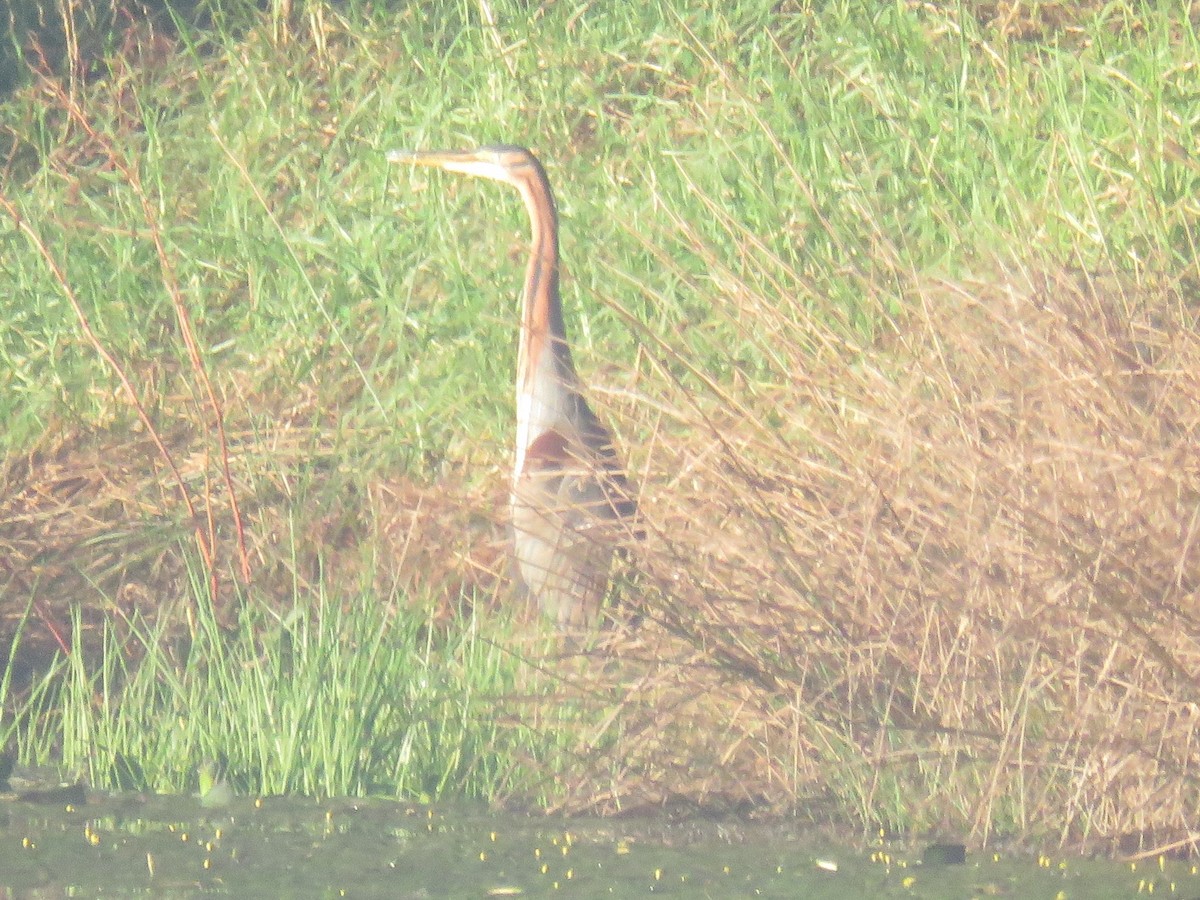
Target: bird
(571, 503)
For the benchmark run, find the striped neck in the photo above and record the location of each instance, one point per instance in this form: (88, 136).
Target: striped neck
(544, 364)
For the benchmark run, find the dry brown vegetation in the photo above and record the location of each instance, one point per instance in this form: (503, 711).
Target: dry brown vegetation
(955, 584)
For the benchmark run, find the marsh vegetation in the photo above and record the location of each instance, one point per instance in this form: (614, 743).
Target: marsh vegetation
(893, 313)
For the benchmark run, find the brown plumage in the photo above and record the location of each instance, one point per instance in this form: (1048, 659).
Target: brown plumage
(571, 503)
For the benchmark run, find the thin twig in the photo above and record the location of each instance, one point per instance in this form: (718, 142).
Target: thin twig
(85, 326)
(171, 283)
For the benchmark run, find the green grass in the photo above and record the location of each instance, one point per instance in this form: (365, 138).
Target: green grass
(336, 696)
(745, 194)
(850, 146)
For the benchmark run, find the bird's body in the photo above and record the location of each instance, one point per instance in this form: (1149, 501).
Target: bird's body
(571, 503)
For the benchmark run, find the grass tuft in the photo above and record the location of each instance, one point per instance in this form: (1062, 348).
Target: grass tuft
(336, 696)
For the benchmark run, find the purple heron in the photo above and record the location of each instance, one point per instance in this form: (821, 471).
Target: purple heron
(571, 503)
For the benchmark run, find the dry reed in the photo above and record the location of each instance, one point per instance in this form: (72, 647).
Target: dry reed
(941, 580)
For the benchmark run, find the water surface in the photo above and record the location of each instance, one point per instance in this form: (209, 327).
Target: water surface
(173, 846)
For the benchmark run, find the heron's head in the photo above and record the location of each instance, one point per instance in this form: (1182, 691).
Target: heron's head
(499, 162)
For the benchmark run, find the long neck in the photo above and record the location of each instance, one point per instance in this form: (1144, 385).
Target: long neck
(546, 377)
